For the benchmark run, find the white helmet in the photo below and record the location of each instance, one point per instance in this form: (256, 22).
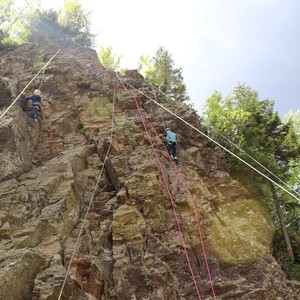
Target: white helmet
(37, 92)
(167, 129)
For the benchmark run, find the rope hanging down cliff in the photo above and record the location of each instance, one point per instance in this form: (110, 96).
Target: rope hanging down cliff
(91, 200)
(211, 139)
(194, 208)
(168, 191)
(43, 68)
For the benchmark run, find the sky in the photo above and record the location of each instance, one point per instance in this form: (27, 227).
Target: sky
(217, 43)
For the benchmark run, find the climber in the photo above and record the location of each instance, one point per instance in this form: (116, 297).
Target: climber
(35, 104)
(171, 143)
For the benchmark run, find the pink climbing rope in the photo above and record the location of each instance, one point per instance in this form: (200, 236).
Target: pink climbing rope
(195, 212)
(167, 188)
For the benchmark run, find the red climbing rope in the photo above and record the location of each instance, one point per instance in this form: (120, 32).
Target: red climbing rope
(195, 211)
(167, 188)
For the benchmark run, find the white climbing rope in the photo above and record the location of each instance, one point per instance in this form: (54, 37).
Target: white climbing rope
(211, 139)
(240, 149)
(43, 68)
(91, 200)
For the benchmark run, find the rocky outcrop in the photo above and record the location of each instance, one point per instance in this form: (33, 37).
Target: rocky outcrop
(127, 240)
(8, 91)
(18, 137)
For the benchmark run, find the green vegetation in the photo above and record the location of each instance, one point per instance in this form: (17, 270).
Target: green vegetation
(160, 71)
(39, 60)
(12, 23)
(75, 21)
(149, 284)
(109, 59)
(253, 125)
(69, 25)
(81, 128)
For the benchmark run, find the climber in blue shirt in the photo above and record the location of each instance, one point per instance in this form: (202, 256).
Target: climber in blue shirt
(171, 143)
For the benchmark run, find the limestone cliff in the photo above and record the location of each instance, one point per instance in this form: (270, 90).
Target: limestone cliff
(130, 247)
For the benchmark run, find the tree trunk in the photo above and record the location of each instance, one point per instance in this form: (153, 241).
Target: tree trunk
(282, 225)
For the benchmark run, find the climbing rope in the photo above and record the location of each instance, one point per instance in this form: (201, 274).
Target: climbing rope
(194, 208)
(211, 139)
(167, 188)
(43, 78)
(43, 68)
(91, 200)
(240, 149)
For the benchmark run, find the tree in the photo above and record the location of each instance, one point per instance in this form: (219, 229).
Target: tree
(6, 16)
(109, 59)
(12, 23)
(67, 26)
(294, 117)
(253, 125)
(44, 29)
(225, 117)
(77, 22)
(293, 212)
(31, 23)
(15, 21)
(160, 71)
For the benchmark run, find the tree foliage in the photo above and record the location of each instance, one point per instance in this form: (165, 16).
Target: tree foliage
(293, 209)
(76, 21)
(160, 71)
(294, 117)
(253, 125)
(44, 28)
(6, 15)
(109, 59)
(70, 24)
(13, 22)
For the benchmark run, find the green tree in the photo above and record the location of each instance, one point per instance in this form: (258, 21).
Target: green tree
(13, 22)
(31, 23)
(293, 212)
(77, 22)
(252, 124)
(224, 116)
(109, 59)
(45, 29)
(6, 16)
(160, 71)
(66, 26)
(294, 117)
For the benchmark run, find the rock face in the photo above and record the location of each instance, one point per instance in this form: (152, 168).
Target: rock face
(18, 137)
(118, 234)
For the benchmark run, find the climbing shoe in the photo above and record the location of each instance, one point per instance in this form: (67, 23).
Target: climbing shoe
(176, 160)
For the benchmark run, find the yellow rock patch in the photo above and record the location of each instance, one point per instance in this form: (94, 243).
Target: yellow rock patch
(241, 231)
(97, 109)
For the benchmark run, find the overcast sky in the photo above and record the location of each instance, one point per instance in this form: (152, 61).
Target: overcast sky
(217, 43)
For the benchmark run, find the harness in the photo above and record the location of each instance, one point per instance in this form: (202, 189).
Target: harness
(36, 106)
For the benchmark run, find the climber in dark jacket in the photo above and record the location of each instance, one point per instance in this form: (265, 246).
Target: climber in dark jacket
(171, 143)
(36, 104)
